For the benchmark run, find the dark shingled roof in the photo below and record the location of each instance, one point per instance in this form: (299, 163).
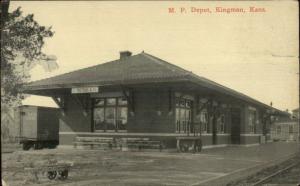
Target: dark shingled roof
(138, 68)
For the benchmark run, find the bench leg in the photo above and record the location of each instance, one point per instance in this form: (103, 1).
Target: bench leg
(35, 174)
(178, 145)
(110, 146)
(160, 147)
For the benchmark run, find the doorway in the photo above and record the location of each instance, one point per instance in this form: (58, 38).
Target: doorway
(214, 130)
(235, 125)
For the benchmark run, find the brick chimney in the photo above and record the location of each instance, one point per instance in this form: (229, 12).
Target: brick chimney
(125, 54)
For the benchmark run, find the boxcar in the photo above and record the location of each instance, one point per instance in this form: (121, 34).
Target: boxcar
(39, 127)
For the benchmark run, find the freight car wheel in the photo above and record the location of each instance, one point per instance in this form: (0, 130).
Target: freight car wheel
(27, 146)
(51, 175)
(63, 174)
(38, 145)
(51, 145)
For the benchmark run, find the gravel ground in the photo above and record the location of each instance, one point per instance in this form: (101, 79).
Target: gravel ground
(108, 168)
(115, 168)
(290, 176)
(10, 147)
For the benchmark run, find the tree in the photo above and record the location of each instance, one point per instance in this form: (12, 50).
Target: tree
(22, 40)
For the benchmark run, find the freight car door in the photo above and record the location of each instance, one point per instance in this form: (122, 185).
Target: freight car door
(29, 123)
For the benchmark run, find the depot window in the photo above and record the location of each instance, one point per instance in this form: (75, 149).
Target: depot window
(110, 114)
(252, 121)
(183, 115)
(278, 129)
(221, 124)
(291, 129)
(204, 120)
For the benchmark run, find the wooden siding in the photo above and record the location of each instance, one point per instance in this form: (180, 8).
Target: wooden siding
(151, 113)
(74, 119)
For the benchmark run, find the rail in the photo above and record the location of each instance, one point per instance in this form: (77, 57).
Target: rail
(268, 177)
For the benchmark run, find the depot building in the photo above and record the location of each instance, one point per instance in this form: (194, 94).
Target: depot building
(144, 96)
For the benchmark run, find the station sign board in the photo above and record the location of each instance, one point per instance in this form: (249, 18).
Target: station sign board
(82, 90)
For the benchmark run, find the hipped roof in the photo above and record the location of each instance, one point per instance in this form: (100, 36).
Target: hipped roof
(135, 69)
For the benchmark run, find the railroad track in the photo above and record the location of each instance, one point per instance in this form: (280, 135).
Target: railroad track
(282, 171)
(269, 177)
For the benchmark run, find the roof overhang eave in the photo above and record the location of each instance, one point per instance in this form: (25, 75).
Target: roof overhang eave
(233, 93)
(33, 89)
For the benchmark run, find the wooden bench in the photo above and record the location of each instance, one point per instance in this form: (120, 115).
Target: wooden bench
(96, 139)
(94, 142)
(110, 142)
(142, 143)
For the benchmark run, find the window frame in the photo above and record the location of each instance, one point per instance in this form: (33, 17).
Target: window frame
(278, 129)
(222, 124)
(183, 105)
(252, 117)
(204, 124)
(291, 129)
(115, 107)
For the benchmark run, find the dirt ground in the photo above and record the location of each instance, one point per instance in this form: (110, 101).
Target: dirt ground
(291, 176)
(114, 168)
(288, 173)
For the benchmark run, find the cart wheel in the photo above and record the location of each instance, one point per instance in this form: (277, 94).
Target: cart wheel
(184, 148)
(161, 147)
(51, 175)
(198, 146)
(63, 174)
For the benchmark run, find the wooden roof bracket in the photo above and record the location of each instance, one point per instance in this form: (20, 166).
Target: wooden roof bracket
(83, 103)
(130, 99)
(131, 102)
(203, 106)
(61, 102)
(170, 99)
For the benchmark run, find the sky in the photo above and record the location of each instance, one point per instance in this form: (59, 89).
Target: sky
(255, 53)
